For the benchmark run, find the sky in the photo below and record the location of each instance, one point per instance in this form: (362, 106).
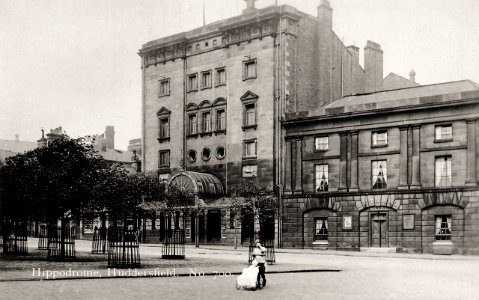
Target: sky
(74, 63)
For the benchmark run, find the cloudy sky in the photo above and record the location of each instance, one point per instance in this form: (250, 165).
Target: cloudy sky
(74, 63)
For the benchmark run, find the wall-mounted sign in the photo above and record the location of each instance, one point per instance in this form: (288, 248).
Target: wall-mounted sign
(347, 222)
(408, 221)
(187, 232)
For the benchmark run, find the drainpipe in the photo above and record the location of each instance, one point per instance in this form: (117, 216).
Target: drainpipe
(184, 110)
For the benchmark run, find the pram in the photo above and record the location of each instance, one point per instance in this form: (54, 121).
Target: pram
(249, 278)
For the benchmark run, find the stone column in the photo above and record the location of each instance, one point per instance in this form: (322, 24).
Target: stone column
(288, 167)
(354, 162)
(403, 157)
(416, 172)
(205, 232)
(343, 156)
(298, 178)
(471, 176)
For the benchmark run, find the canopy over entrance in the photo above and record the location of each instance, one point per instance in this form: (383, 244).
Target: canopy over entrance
(200, 183)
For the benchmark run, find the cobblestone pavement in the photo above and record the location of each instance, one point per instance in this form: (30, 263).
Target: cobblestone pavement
(362, 276)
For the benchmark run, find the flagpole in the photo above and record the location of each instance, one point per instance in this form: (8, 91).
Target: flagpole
(204, 21)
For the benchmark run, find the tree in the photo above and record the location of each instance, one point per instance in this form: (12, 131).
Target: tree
(52, 183)
(256, 201)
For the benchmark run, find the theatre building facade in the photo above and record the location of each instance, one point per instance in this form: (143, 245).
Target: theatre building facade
(393, 169)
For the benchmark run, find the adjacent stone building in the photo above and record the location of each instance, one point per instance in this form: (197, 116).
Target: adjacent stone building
(392, 169)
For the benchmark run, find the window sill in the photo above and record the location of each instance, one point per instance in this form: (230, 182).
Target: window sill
(220, 131)
(249, 78)
(220, 84)
(321, 150)
(206, 134)
(249, 157)
(162, 140)
(244, 127)
(205, 87)
(320, 243)
(379, 146)
(191, 91)
(165, 95)
(442, 242)
(161, 168)
(443, 140)
(192, 136)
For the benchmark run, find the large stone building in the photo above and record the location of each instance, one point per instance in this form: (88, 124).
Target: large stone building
(214, 97)
(251, 96)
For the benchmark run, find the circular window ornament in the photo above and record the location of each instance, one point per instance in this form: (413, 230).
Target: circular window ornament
(206, 154)
(220, 152)
(192, 156)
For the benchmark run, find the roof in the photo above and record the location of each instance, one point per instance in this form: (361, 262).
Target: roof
(115, 155)
(395, 81)
(409, 96)
(17, 146)
(199, 183)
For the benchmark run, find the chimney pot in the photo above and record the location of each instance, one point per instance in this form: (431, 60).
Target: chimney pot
(412, 75)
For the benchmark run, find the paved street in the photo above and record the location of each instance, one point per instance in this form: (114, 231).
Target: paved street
(362, 276)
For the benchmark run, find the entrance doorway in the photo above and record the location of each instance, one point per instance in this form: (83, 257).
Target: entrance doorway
(213, 227)
(379, 230)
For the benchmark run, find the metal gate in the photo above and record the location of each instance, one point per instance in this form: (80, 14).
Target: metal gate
(100, 241)
(269, 256)
(43, 238)
(123, 248)
(174, 244)
(61, 243)
(15, 239)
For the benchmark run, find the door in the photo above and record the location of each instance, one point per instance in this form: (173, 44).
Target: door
(214, 226)
(379, 231)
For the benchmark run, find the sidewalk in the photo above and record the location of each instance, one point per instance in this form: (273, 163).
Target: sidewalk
(207, 260)
(198, 262)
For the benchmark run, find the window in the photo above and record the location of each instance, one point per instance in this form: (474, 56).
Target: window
(250, 114)
(249, 69)
(192, 155)
(220, 152)
(163, 158)
(164, 88)
(192, 125)
(163, 177)
(443, 171)
(250, 171)
(220, 119)
(321, 143)
(379, 138)
(205, 79)
(197, 46)
(379, 174)
(249, 148)
(249, 100)
(443, 132)
(220, 77)
(443, 228)
(215, 42)
(321, 230)
(206, 154)
(321, 178)
(164, 128)
(207, 122)
(192, 83)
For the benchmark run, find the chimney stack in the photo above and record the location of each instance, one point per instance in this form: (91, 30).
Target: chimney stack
(110, 137)
(354, 53)
(373, 67)
(250, 7)
(325, 51)
(43, 141)
(412, 75)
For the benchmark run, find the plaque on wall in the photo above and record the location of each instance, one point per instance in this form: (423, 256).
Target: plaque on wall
(408, 221)
(187, 233)
(347, 222)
